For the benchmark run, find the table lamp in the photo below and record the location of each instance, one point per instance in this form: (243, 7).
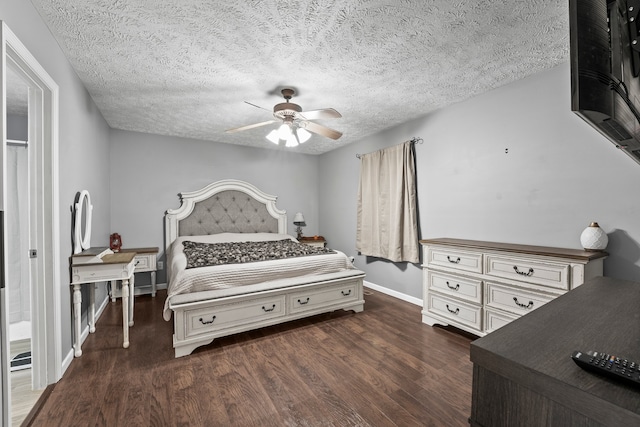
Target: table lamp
(298, 221)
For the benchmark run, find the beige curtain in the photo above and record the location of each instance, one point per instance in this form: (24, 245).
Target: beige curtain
(387, 219)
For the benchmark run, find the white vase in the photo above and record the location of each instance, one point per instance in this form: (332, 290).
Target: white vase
(593, 238)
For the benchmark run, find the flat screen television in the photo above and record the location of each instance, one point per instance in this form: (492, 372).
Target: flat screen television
(605, 68)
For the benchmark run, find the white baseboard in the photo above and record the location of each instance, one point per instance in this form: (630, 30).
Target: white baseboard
(395, 294)
(66, 362)
(146, 289)
(140, 289)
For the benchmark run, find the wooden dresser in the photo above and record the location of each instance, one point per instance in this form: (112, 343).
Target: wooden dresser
(481, 286)
(523, 374)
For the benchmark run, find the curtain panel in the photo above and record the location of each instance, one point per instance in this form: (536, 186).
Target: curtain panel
(387, 218)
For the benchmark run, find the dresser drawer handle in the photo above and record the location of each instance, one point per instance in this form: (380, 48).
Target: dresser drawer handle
(522, 273)
(530, 305)
(303, 302)
(207, 322)
(345, 294)
(454, 288)
(453, 261)
(456, 311)
(267, 310)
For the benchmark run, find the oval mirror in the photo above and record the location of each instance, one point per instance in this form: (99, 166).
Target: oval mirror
(82, 221)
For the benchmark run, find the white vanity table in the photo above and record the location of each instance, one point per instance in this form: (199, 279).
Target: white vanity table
(101, 265)
(94, 265)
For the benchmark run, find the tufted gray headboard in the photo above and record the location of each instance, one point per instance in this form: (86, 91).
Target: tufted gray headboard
(228, 211)
(224, 206)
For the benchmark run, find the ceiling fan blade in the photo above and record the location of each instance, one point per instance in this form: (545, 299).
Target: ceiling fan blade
(321, 130)
(325, 113)
(255, 125)
(257, 106)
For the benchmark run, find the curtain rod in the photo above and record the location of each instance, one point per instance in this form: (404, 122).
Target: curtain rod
(414, 140)
(17, 143)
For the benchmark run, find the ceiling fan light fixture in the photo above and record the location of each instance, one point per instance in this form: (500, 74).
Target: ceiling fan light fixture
(284, 131)
(303, 135)
(273, 137)
(297, 126)
(291, 141)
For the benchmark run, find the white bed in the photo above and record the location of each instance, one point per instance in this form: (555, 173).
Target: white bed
(214, 301)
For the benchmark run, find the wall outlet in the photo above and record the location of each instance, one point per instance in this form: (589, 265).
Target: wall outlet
(160, 265)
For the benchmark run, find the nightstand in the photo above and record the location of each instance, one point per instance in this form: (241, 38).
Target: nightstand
(145, 262)
(317, 241)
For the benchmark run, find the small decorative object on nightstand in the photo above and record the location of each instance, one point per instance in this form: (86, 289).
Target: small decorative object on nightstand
(318, 241)
(115, 242)
(298, 221)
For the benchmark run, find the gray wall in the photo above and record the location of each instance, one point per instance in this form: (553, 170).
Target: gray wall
(559, 175)
(148, 172)
(84, 144)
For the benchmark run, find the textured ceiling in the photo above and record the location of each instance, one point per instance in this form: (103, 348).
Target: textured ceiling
(184, 67)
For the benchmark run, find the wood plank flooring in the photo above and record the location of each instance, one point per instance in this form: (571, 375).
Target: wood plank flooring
(380, 367)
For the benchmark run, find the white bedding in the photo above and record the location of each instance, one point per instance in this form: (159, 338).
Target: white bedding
(184, 280)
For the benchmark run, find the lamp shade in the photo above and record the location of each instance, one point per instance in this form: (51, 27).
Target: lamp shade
(284, 131)
(303, 135)
(273, 137)
(298, 220)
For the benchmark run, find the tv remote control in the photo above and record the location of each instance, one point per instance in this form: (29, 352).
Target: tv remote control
(608, 365)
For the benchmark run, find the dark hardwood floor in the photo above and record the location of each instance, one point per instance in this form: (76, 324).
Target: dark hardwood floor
(381, 367)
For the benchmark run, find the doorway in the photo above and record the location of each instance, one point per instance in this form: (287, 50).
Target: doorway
(18, 242)
(42, 270)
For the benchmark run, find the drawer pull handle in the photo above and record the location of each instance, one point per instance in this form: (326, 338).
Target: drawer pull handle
(303, 302)
(456, 311)
(207, 322)
(453, 261)
(266, 310)
(455, 288)
(530, 305)
(523, 273)
(137, 262)
(345, 294)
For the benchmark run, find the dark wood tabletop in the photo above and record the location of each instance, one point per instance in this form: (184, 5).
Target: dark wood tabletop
(535, 351)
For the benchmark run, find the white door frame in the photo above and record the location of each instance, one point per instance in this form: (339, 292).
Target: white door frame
(43, 137)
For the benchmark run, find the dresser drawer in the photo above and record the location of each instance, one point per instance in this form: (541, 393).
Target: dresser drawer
(100, 273)
(496, 319)
(145, 262)
(458, 286)
(555, 275)
(514, 300)
(323, 297)
(208, 319)
(454, 259)
(456, 310)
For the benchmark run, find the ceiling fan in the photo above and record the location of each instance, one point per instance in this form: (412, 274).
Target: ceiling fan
(296, 124)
